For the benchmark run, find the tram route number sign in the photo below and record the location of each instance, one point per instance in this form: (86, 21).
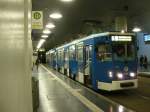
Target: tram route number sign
(37, 20)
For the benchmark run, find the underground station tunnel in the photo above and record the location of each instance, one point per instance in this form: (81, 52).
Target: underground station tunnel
(74, 56)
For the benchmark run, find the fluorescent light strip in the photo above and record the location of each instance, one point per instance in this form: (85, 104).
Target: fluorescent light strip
(46, 31)
(56, 16)
(66, 0)
(50, 25)
(41, 42)
(44, 36)
(136, 29)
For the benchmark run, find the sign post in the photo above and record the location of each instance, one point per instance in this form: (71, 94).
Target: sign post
(37, 20)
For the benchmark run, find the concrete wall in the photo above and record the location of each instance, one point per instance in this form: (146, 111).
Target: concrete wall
(144, 49)
(15, 56)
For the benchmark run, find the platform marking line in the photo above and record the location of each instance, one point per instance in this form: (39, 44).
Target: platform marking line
(80, 97)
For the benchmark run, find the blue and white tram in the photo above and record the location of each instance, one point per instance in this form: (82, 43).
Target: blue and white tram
(105, 61)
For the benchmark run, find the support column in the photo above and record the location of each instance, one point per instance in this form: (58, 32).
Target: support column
(121, 23)
(15, 56)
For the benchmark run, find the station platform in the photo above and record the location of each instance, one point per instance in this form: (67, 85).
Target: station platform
(144, 72)
(59, 93)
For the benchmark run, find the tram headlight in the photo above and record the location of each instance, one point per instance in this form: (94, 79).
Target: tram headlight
(110, 74)
(132, 74)
(120, 75)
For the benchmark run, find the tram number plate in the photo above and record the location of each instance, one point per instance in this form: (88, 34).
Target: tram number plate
(129, 84)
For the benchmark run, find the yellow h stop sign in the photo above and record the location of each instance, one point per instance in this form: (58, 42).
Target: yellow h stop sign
(37, 20)
(37, 15)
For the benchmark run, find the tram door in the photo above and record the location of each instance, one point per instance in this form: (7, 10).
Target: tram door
(88, 61)
(66, 62)
(55, 61)
(80, 58)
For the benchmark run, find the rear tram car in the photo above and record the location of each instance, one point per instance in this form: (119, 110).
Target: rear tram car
(105, 61)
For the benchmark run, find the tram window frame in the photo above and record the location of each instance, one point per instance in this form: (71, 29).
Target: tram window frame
(80, 52)
(59, 57)
(62, 55)
(125, 56)
(52, 57)
(55, 56)
(90, 48)
(106, 55)
(66, 56)
(72, 52)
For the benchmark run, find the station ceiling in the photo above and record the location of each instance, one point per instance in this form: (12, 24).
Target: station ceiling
(76, 13)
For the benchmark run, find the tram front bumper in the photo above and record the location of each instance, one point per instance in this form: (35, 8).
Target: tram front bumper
(118, 85)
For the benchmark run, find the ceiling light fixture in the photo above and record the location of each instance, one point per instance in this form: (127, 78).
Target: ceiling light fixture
(56, 16)
(66, 0)
(41, 42)
(46, 31)
(44, 36)
(122, 31)
(136, 29)
(50, 25)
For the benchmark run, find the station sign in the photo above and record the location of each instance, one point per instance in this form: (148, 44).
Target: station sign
(37, 20)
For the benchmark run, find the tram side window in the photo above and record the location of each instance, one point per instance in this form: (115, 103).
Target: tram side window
(80, 53)
(130, 52)
(65, 56)
(59, 55)
(103, 52)
(55, 57)
(52, 57)
(72, 52)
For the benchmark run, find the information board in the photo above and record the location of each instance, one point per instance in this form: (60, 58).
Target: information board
(147, 38)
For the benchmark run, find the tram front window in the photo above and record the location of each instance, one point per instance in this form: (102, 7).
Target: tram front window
(123, 52)
(103, 52)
